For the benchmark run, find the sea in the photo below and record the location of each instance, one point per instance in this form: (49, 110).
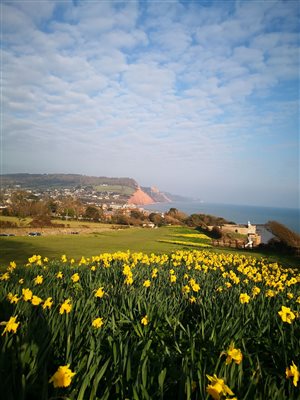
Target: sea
(240, 214)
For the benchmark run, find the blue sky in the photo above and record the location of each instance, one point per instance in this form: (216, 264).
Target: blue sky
(196, 97)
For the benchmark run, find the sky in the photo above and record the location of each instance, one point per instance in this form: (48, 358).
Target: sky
(198, 98)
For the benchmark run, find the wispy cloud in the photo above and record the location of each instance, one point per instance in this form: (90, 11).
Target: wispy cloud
(175, 94)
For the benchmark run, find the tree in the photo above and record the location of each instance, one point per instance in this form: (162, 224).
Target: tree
(120, 218)
(92, 212)
(285, 240)
(157, 219)
(176, 214)
(136, 214)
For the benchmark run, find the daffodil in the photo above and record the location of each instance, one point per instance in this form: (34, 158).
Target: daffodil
(27, 294)
(4, 277)
(36, 300)
(255, 291)
(145, 320)
(270, 293)
(66, 307)
(97, 323)
(62, 377)
(100, 292)
(147, 283)
(233, 354)
(244, 298)
(75, 277)
(48, 303)
(64, 258)
(38, 280)
(11, 325)
(82, 261)
(154, 273)
(217, 388)
(186, 289)
(59, 275)
(195, 287)
(286, 314)
(13, 298)
(293, 372)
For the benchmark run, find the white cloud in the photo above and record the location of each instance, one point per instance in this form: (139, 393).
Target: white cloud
(148, 80)
(171, 83)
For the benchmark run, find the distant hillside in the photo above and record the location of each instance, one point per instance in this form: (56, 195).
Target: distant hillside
(176, 197)
(126, 187)
(42, 181)
(156, 195)
(163, 197)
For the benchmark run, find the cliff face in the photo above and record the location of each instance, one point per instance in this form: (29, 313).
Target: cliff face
(156, 195)
(140, 198)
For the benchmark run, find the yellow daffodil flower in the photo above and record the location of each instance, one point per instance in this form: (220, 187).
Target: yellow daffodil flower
(66, 307)
(48, 303)
(36, 300)
(11, 325)
(217, 388)
(75, 277)
(62, 377)
(293, 372)
(38, 280)
(244, 298)
(100, 293)
(233, 354)
(286, 314)
(27, 294)
(97, 323)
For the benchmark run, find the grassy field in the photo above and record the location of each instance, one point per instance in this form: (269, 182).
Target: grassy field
(125, 190)
(19, 248)
(161, 240)
(25, 223)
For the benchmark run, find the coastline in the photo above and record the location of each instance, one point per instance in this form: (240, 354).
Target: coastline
(239, 214)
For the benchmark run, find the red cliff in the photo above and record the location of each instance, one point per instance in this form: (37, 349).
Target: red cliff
(140, 198)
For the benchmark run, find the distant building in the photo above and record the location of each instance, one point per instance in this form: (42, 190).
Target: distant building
(249, 230)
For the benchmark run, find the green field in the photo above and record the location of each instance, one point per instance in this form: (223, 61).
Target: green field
(161, 240)
(25, 223)
(19, 248)
(125, 190)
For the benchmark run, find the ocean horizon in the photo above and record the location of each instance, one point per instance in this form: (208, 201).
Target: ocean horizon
(240, 214)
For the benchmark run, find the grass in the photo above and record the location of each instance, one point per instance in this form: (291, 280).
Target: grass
(20, 222)
(160, 240)
(124, 190)
(19, 248)
(25, 223)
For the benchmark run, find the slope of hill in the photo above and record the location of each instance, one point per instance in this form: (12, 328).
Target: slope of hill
(127, 188)
(41, 181)
(156, 195)
(140, 198)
